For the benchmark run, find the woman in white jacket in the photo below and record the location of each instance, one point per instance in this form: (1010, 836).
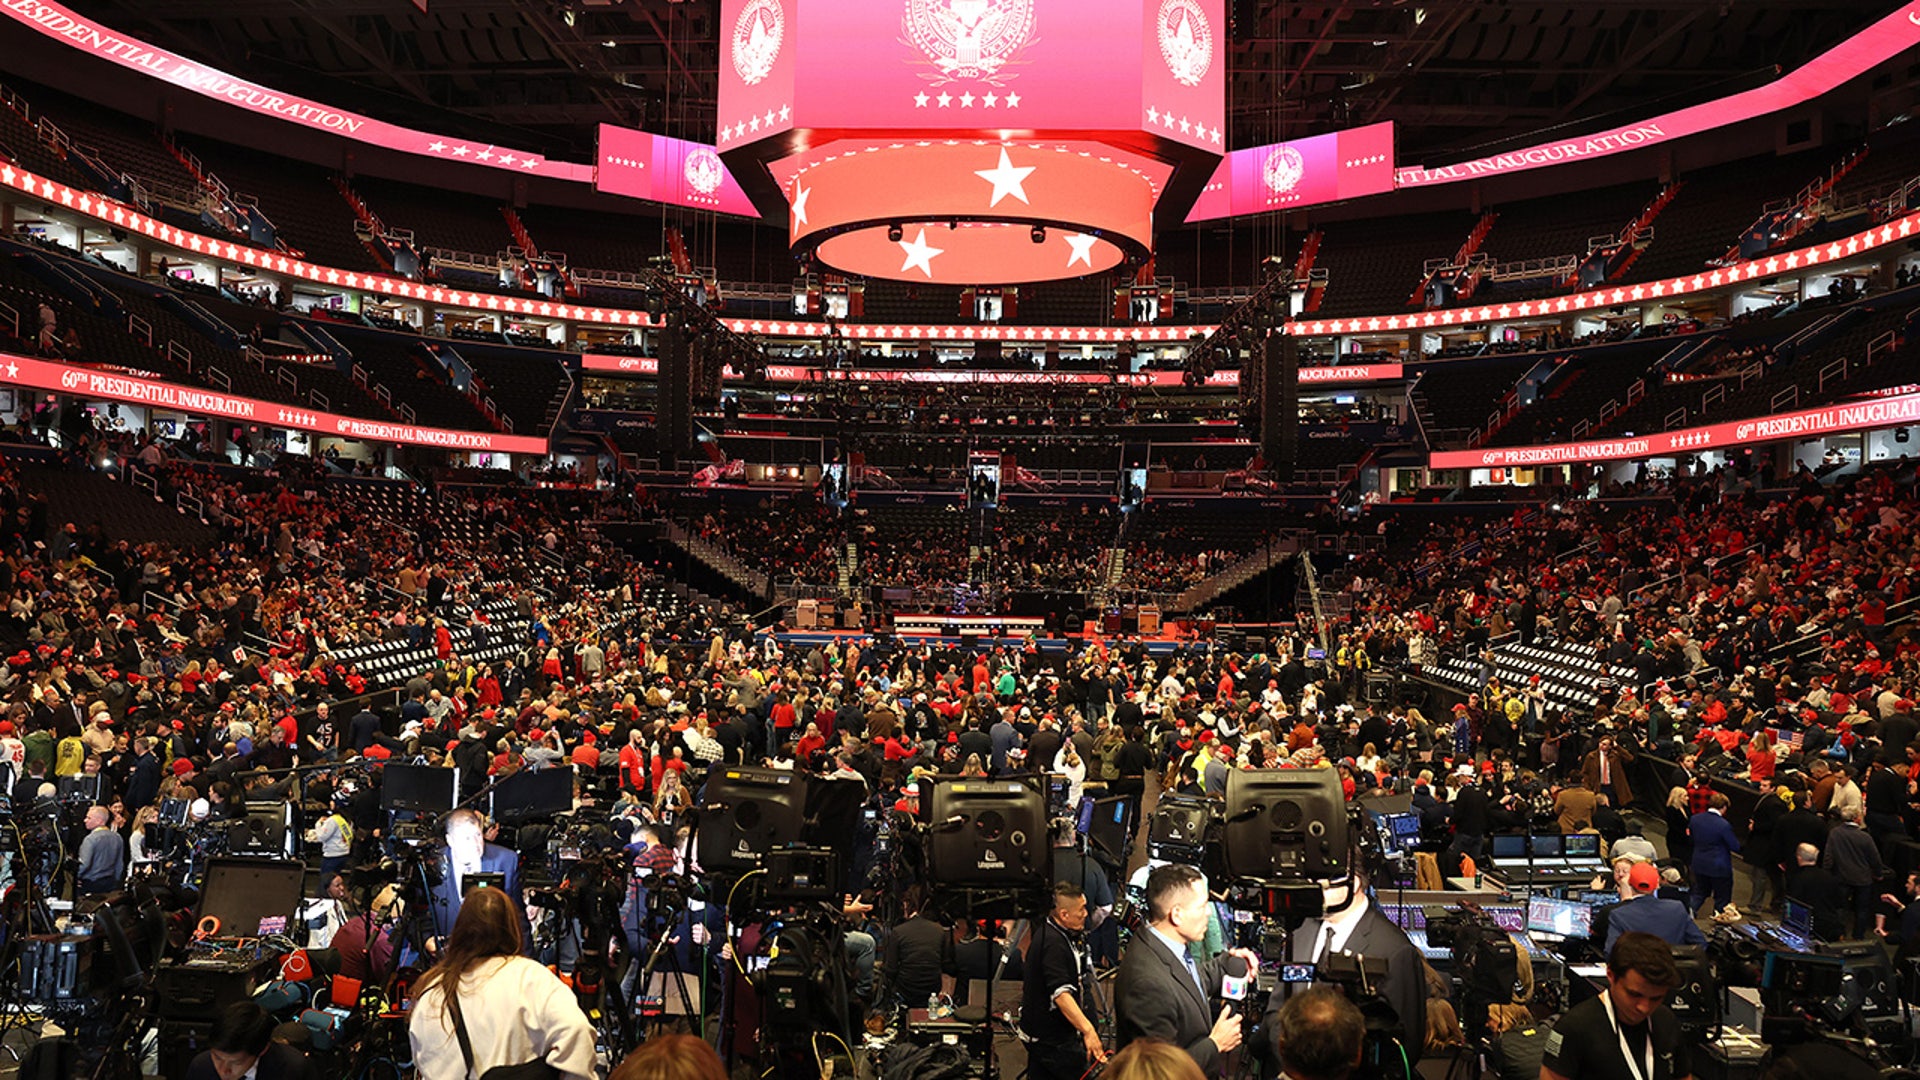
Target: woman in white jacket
(513, 1009)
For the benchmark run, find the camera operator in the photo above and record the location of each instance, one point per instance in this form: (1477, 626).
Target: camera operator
(1061, 1041)
(364, 939)
(1354, 926)
(1319, 1035)
(465, 853)
(1161, 992)
(1627, 1033)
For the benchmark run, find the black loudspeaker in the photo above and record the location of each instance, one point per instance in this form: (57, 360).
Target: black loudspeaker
(749, 812)
(1178, 822)
(1692, 1000)
(987, 833)
(263, 831)
(1280, 405)
(1868, 986)
(1285, 825)
(673, 414)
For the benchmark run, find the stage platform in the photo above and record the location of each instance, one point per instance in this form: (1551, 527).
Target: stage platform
(1159, 644)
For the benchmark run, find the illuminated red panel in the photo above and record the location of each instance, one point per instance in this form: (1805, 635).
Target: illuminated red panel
(202, 401)
(795, 166)
(1304, 172)
(1803, 423)
(974, 66)
(970, 254)
(1871, 47)
(1103, 203)
(758, 45)
(80, 32)
(642, 165)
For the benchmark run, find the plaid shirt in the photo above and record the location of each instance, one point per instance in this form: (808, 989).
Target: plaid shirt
(1699, 792)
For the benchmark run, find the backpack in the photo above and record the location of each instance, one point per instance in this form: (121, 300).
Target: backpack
(69, 756)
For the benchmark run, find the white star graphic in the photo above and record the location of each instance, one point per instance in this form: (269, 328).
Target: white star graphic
(754, 124)
(920, 100)
(989, 100)
(436, 146)
(1185, 128)
(13, 369)
(461, 151)
(1153, 115)
(1216, 135)
(919, 253)
(1013, 101)
(1006, 179)
(944, 99)
(966, 100)
(529, 163)
(1082, 246)
(800, 204)
(769, 117)
(785, 112)
(485, 155)
(508, 159)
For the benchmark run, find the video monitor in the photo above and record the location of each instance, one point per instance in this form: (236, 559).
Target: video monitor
(1566, 918)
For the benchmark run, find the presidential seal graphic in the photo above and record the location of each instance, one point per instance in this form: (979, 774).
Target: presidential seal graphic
(757, 34)
(703, 171)
(1283, 170)
(969, 39)
(1186, 40)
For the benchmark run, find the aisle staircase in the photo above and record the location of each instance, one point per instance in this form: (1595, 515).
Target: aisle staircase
(125, 511)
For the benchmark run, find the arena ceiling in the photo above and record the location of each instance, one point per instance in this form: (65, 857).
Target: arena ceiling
(1459, 76)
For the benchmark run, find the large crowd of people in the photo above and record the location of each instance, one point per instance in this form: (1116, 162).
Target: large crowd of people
(205, 675)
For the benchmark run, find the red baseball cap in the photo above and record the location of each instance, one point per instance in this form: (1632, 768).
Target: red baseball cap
(1644, 877)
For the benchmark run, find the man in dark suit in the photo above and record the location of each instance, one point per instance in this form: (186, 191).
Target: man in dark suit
(242, 1045)
(1161, 992)
(1714, 846)
(466, 853)
(1353, 926)
(1650, 913)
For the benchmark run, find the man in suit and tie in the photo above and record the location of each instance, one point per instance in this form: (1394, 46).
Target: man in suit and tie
(465, 854)
(1351, 925)
(1161, 993)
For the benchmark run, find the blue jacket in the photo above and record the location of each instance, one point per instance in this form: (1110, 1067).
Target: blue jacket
(1665, 919)
(1714, 844)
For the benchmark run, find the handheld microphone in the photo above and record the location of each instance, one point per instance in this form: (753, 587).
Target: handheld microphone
(953, 822)
(1234, 980)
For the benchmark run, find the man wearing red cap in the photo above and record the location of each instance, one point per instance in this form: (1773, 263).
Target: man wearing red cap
(1650, 913)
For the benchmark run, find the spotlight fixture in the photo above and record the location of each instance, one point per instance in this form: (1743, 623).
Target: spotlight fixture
(1039, 234)
(895, 232)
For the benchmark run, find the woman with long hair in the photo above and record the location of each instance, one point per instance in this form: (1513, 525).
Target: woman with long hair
(512, 1009)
